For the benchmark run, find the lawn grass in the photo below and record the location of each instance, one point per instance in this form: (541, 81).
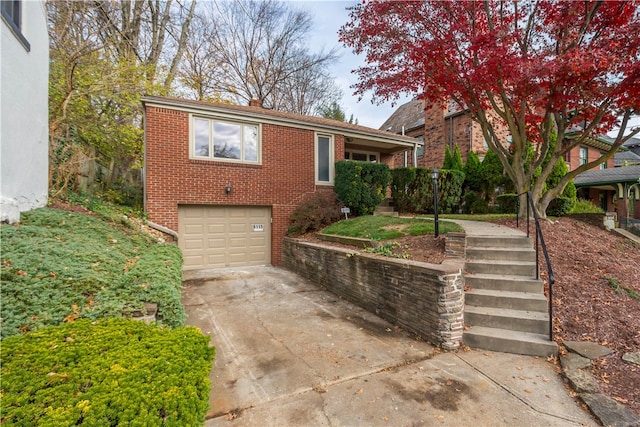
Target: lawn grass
(381, 227)
(58, 266)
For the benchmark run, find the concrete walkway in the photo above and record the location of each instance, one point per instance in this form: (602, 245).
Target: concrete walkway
(477, 228)
(290, 354)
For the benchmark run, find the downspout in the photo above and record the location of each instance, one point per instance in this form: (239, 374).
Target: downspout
(415, 155)
(144, 158)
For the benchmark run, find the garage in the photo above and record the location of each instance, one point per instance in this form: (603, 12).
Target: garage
(224, 236)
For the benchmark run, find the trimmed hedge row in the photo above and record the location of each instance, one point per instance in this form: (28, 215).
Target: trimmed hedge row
(106, 372)
(361, 186)
(412, 189)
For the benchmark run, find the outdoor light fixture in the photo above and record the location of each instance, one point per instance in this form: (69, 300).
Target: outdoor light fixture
(434, 177)
(227, 189)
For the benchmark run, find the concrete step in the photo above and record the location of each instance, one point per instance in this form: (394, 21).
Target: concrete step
(509, 268)
(503, 318)
(506, 299)
(504, 283)
(502, 254)
(499, 242)
(508, 341)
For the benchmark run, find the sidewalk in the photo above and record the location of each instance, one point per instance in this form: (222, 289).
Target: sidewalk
(289, 353)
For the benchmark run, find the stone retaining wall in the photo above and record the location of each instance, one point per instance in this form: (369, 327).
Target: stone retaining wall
(426, 299)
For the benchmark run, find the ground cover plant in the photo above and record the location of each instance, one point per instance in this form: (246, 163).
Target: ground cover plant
(58, 266)
(106, 372)
(382, 227)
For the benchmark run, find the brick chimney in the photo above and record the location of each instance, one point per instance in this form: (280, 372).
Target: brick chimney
(254, 102)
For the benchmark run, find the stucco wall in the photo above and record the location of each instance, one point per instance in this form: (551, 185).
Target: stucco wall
(426, 299)
(24, 149)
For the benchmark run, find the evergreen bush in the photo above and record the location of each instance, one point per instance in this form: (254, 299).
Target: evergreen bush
(104, 373)
(361, 186)
(560, 206)
(508, 203)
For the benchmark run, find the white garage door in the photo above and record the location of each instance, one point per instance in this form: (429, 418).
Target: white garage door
(224, 236)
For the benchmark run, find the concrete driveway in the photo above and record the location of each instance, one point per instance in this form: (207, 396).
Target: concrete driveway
(291, 354)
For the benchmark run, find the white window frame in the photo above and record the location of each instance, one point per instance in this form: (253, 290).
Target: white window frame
(210, 157)
(583, 160)
(367, 153)
(332, 154)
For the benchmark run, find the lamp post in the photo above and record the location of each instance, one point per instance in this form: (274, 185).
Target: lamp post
(434, 177)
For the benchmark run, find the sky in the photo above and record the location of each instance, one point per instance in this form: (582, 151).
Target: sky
(328, 17)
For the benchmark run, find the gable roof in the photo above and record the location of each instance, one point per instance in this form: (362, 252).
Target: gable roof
(626, 158)
(388, 141)
(629, 174)
(408, 116)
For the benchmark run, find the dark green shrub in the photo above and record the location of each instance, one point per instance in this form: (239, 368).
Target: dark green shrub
(105, 373)
(315, 213)
(449, 190)
(473, 204)
(361, 186)
(411, 189)
(473, 176)
(452, 161)
(418, 194)
(402, 188)
(508, 203)
(560, 206)
(493, 175)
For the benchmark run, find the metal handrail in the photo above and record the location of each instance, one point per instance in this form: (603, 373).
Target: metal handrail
(540, 238)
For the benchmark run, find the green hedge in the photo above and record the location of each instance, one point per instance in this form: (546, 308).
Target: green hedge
(106, 372)
(560, 206)
(361, 186)
(508, 203)
(412, 190)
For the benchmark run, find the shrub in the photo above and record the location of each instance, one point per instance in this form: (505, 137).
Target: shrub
(106, 372)
(473, 179)
(315, 213)
(411, 189)
(473, 204)
(585, 206)
(417, 196)
(508, 203)
(361, 186)
(560, 206)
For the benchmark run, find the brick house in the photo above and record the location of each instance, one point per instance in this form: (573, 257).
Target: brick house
(614, 185)
(224, 179)
(437, 126)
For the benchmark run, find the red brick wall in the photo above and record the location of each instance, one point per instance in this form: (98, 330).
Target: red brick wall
(573, 157)
(282, 181)
(454, 130)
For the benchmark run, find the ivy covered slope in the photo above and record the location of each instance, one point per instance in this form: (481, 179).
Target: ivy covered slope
(59, 266)
(106, 372)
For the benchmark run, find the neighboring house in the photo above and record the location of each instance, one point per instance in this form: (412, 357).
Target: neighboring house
(225, 179)
(631, 155)
(408, 120)
(441, 126)
(24, 137)
(591, 149)
(613, 189)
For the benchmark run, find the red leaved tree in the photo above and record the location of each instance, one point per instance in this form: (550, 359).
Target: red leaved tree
(540, 67)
